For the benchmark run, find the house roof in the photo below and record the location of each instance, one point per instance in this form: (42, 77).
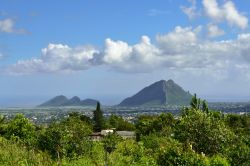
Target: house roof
(126, 133)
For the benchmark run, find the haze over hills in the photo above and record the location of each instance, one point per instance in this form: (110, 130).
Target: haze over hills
(159, 93)
(64, 101)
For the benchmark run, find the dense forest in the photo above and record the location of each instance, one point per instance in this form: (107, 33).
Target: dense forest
(198, 136)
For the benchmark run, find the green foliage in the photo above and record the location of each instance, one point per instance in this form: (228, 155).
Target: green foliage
(98, 118)
(205, 106)
(119, 123)
(198, 137)
(198, 104)
(2, 119)
(218, 160)
(15, 154)
(238, 123)
(110, 141)
(175, 155)
(81, 116)
(207, 134)
(69, 138)
(195, 102)
(154, 143)
(131, 153)
(2, 125)
(238, 153)
(164, 123)
(160, 125)
(21, 128)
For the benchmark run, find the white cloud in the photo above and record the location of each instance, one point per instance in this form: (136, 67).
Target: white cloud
(226, 12)
(191, 11)
(56, 58)
(214, 30)
(212, 9)
(233, 16)
(8, 26)
(116, 52)
(174, 42)
(141, 57)
(182, 49)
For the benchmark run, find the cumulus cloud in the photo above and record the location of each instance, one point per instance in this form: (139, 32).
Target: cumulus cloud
(8, 26)
(182, 49)
(214, 30)
(225, 12)
(141, 57)
(174, 42)
(56, 58)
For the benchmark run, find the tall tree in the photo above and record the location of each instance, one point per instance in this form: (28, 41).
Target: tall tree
(195, 102)
(98, 118)
(205, 106)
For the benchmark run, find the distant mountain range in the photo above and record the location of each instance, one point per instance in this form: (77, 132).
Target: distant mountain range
(159, 93)
(64, 101)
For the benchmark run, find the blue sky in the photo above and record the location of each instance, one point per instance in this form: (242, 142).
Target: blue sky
(109, 50)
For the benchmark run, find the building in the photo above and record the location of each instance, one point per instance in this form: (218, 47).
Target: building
(97, 136)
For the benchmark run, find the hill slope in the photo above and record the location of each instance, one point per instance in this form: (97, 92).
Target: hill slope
(56, 101)
(159, 93)
(64, 101)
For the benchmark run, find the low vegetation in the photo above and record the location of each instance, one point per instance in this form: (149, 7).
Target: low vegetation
(199, 136)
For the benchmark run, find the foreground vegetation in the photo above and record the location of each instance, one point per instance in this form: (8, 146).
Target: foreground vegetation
(198, 137)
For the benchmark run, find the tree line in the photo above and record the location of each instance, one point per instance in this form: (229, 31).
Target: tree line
(198, 136)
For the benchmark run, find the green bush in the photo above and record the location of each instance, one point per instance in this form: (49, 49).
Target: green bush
(177, 156)
(69, 138)
(15, 154)
(131, 153)
(218, 160)
(207, 134)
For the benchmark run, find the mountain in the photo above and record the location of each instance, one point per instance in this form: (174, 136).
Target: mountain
(64, 101)
(90, 102)
(159, 93)
(56, 101)
(73, 101)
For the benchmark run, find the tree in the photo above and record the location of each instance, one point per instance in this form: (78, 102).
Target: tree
(206, 133)
(119, 123)
(131, 153)
(2, 125)
(195, 102)
(68, 138)
(144, 126)
(110, 142)
(175, 155)
(159, 125)
(205, 106)
(98, 118)
(21, 128)
(83, 117)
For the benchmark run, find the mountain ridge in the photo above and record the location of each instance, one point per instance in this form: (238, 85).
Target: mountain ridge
(159, 93)
(62, 100)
